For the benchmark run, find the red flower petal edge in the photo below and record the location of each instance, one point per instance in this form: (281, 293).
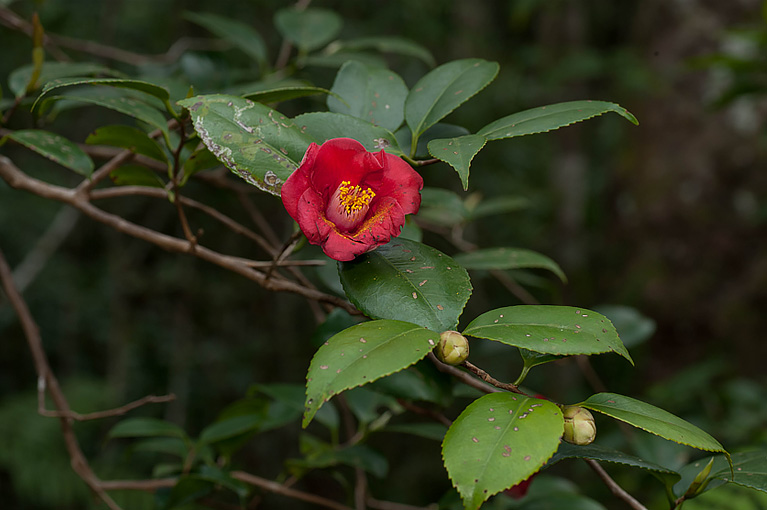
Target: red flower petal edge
(350, 201)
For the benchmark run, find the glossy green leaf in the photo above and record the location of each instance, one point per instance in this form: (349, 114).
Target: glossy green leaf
(548, 118)
(146, 427)
(288, 406)
(437, 131)
(362, 354)
(458, 153)
(508, 258)
(239, 34)
(19, 78)
(409, 281)
(201, 159)
(136, 175)
(386, 44)
(422, 382)
(560, 330)
(444, 89)
(532, 359)
(151, 89)
(498, 441)
(54, 147)
(126, 105)
(374, 95)
(651, 419)
(308, 29)
(604, 454)
(128, 137)
(326, 125)
(284, 93)
(255, 142)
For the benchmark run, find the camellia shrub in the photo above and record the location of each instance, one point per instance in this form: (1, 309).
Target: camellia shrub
(350, 178)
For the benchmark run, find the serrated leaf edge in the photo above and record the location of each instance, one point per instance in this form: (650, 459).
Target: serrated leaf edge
(468, 165)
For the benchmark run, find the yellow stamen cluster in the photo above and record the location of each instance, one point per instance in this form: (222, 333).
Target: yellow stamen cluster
(354, 198)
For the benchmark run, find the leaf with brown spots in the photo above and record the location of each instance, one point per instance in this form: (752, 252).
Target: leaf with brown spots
(498, 441)
(361, 354)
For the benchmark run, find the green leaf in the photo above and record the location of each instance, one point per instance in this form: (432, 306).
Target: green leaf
(603, 454)
(409, 281)
(54, 147)
(362, 354)
(651, 419)
(532, 359)
(240, 35)
(284, 93)
(386, 44)
(136, 175)
(458, 153)
(339, 58)
(498, 441)
(146, 427)
(326, 125)
(421, 382)
(288, 406)
(437, 131)
(374, 95)
(255, 142)
(442, 207)
(444, 89)
(508, 258)
(151, 89)
(547, 118)
(127, 105)
(223, 479)
(231, 427)
(128, 137)
(560, 330)
(19, 78)
(308, 29)
(750, 470)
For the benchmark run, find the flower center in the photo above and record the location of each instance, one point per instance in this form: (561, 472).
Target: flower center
(349, 205)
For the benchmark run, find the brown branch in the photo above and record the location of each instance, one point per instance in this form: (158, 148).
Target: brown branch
(119, 411)
(285, 491)
(490, 379)
(616, 489)
(19, 180)
(435, 416)
(462, 376)
(32, 334)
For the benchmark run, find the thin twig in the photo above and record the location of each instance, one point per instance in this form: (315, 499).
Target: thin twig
(35, 344)
(291, 493)
(616, 489)
(19, 180)
(490, 379)
(119, 411)
(429, 413)
(462, 376)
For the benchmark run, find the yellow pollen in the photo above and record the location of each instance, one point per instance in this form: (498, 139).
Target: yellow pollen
(354, 198)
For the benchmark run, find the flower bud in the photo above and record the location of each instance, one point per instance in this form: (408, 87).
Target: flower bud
(579, 425)
(453, 348)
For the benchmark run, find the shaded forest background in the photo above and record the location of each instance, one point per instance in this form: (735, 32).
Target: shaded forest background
(669, 218)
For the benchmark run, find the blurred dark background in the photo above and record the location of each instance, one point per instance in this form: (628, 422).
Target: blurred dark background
(668, 218)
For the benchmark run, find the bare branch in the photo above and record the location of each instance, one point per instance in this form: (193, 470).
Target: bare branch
(616, 489)
(19, 180)
(491, 380)
(119, 411)
(462, 376)
(285, 491)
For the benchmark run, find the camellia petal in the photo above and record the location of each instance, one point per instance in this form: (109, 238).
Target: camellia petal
(348, 200)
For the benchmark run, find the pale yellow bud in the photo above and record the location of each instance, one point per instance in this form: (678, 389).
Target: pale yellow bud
(453, 348)
(580, 428)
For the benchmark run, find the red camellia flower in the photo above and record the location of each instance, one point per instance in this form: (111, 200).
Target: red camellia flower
(349, 200)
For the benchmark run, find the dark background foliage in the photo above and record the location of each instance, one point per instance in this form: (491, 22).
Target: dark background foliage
(669, 218)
